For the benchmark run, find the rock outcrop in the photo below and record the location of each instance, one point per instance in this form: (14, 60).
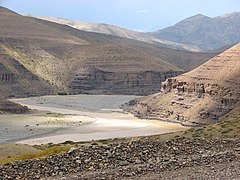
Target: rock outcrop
(11, 107)
(95, 81)
(198, 97)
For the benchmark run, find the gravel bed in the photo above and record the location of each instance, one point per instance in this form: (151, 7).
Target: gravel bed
(132, 160)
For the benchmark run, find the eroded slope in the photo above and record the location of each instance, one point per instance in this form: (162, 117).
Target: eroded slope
(71, 60)
(75, 61)
(200, 96)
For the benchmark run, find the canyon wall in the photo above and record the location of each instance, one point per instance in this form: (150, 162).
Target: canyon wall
(200, 96)
(94, 81)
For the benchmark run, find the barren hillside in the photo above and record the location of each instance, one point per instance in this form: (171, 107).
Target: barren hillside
(204, 32)
(119, 32)
(199, 96)
(74, 61)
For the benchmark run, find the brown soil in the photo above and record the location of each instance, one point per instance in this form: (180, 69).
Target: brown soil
(201, 96)
(53, 55)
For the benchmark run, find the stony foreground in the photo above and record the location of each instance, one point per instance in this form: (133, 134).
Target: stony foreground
(135, 160)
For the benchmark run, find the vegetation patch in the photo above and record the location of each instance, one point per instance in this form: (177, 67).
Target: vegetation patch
(55, 115)
(13, 149)
(227, 127)
(40, 154)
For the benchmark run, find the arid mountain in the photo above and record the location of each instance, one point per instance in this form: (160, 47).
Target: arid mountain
(69, 60)
(119, 32)
(200, 96)
(16, 80)
(204, 32)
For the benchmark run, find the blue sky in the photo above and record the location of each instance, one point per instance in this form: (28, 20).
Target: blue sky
(143, 15)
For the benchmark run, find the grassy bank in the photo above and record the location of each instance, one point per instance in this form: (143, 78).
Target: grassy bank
(36, 154)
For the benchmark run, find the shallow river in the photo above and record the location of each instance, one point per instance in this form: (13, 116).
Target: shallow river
(76, 118)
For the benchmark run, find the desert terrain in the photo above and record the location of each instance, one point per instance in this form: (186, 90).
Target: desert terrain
(77, 118)
(97, 101)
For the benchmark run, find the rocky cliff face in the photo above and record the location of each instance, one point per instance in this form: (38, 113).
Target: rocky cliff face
(94, 81)
(200, 96)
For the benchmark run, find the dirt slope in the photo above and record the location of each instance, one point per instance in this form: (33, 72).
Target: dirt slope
(199, 96)
(74, 61)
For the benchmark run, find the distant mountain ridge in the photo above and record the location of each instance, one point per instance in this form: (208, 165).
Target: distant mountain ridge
(41, 57)
(196, 33)
(204, 32)
(119, 32)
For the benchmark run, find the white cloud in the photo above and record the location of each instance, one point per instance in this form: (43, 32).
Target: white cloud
(142, 11)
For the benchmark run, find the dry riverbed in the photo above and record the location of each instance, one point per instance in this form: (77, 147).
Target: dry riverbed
(77, 118)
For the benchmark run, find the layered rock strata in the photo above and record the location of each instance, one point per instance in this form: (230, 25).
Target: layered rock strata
(74, 61)
(201, 96)
(94, 81)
